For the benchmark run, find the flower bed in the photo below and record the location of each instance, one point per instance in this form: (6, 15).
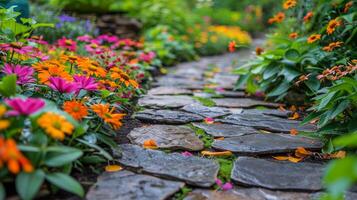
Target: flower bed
(61, 103)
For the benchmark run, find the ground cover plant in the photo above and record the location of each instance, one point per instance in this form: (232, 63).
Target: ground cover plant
(311, 58)
(61, 103)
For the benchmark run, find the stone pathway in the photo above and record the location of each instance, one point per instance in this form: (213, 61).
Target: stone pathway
(172, 113)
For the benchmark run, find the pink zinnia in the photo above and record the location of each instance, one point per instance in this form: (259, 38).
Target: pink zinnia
(85, 83)
(186, 154)
(16, 47)
(67, 44)
(24, 106)
(62, 85)
(23, 73)
(147, 57)
(84, 38)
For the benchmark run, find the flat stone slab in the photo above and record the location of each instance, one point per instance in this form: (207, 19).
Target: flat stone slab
(266, 143)
(180, 82)
(278, 175)
(193, 170)
(246, 194)
(205, 111)
(225, 130)
(242, 103)
(231, 94)
(126, 185)
(167, 137)
(165, 101)
(269, 123)
(169, 91)
(167, 116)
(271, 112)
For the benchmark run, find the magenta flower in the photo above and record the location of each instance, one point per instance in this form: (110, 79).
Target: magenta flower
(16, 47)
(24, 74)
(24, 106)
(224, 187)
(67, 44)
(85, 83)
(84, 38)
(147, 57)
(186, 154)
(62, 85)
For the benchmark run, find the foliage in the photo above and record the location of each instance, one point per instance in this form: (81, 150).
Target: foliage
(205, 101)
(204, 137)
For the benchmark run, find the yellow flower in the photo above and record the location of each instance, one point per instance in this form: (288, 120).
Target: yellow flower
(55, 125)
(332, 25)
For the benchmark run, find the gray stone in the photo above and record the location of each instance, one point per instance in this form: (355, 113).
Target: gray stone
(165, 101)
(231, 94)
(242, 103)
(169, 91)
(167, 116)
(193, 170)
(180, 82)
(271, 112)
(189, 71)
(247, 194)
(269, 123)
(126, 185)
(167, 137)
(206, 111)
(278, 175)
(203, 94)
(266, 143)
(225, 130)
(225, 80)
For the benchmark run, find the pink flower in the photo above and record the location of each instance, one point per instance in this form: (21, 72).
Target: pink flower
(209, 120)
(94, 48)
(259, 94)
(24, 106)
(85, 83)
(186, 154)
(108, 38)
(62, 85)
(220, 89)
(67, 44)
(38, 40)
(23, 73)
(16, 47)
(147, 57)
(224, 187)
(84, 38)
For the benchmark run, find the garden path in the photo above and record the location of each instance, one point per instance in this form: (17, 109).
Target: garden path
(176, 114)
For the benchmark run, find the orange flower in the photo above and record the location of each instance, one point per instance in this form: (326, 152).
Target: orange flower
(332, 25)
(293, 35)
(308, 16)
(76, 109)
(332, 46)
(313, 38)
(91, 67)
(259, 51)
(4, 123)
(295, 116)
(10, 154)
(279, 17)
(347, 6)
(55, 125)
(123, 77)
(289, 4)
(150, 144)
(294, 132)
(232, 46)
(104, 112)
(302, 78)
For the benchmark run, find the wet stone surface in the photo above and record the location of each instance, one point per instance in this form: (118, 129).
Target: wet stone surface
(167, 136)
(165, 101)
(167, 116)
(206, 111)
(225, 130)
(278, 175)
(231, 94)
(180, 82)
(127, 185)
(169, 91)
(271, 112)
(193, 170)
(266, 122)
(242, 103)
(247, 194)
(266, 143)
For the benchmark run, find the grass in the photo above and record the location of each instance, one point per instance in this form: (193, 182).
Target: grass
(225, 167)
(205, 101)
(204, 137)
(182, 193)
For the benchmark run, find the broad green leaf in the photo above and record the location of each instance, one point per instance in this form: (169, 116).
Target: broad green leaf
(8, 85)
(349, 140)
(61, 156)
(100, 149)
(2, 192)
(282, 88)
(340, 108)
(292, 54)
(290, 73)
(326, 100)
(28, 184)
(66, 183)
(310, 117)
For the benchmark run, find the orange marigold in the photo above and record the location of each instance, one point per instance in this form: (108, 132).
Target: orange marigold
(15, 160)
(313, 38)
(91, 67)
(76, 109)
(55, 125)
(279, 17)
(347, 6)
(332, 25)
(332, 46)
(308, 16)
(232, 46)
(108, 115)
(123, 77)
(289, 4)
(293, 35)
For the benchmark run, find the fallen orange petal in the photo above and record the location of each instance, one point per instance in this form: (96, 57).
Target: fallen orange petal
(295, 116)
(281, 157)
(301, 152)
(220, 138)
(150, 144)
(292, 108)
(339, 154)
(294, 131)
(113, 168)
(281, 108)
(289, 158)
(211, 153)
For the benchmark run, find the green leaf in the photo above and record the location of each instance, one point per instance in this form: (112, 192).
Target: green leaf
(290, 73)
(100, 149)
(8, 85)
(310, 117)
(282, 88)
(292, 54)
(2, 192)
(326, 100)
(28, 184)
(66, 183)
(59, 156)
(340, 108)
(349, 140)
